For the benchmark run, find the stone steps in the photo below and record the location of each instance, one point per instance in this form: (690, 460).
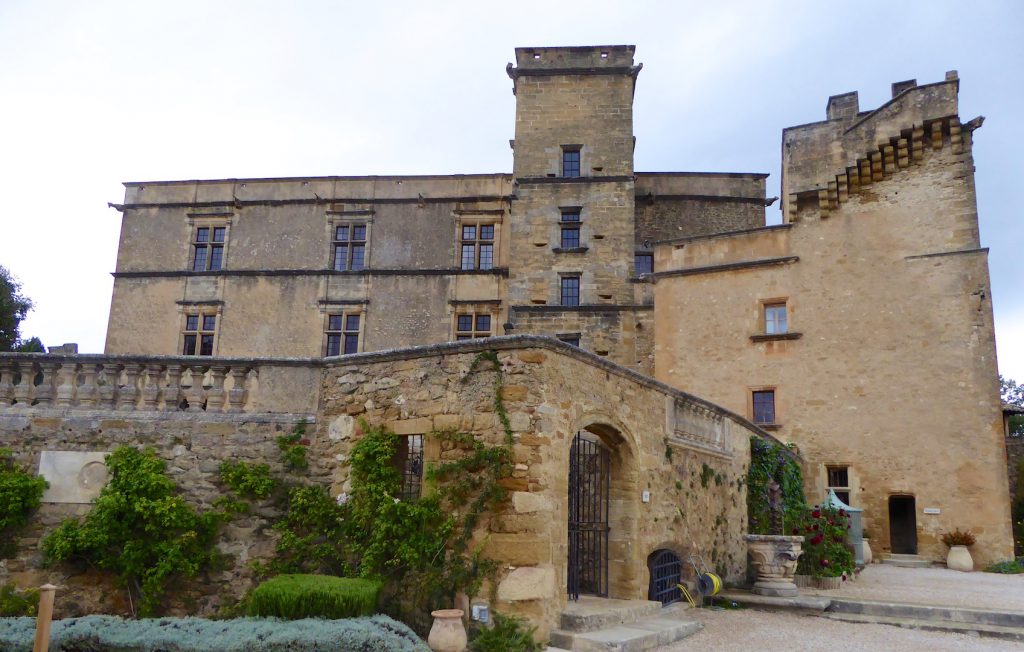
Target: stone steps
(970, 629)
(598, 625)
(907, 561)
(930, 613)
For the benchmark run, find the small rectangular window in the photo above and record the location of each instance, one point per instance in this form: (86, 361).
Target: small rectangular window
(775, 319)
(839, 482)
(571, 216)
(477, 246)
(570, 163)
(570, 291)
(764, 406)
(570, 339)
(342, 334)
(570, 237)
(472, 325)
(198, 334)
(644, 263)
(208, 248)
(349, 247)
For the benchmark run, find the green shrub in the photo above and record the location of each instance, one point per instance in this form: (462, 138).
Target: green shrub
(140, 529)
(312, 535)
(112, 634)
(293, 448)
(247, 480)
(313, 596)
(509, 634)
(17, 603)
(1009, 567)
(825, 552)
(20, 493)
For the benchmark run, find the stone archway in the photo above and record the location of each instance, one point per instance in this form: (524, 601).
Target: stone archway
(601, 454)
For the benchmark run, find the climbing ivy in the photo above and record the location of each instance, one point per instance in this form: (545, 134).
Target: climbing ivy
(771, 461)
(140, 529)
(20, 493)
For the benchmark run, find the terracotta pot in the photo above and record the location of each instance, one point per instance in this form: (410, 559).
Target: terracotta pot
(959, 558)
(774, 558)
(447, 634)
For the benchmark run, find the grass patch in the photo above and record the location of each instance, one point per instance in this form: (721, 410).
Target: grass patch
(1009, 567)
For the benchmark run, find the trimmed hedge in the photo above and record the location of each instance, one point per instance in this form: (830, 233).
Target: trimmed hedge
(313, 596)
(113, 634)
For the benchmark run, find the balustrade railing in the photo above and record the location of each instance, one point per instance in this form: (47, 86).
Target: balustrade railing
(107, 383)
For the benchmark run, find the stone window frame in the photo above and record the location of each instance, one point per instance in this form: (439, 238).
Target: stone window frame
(766, 323)
(483, 309)
(351, 221)
(575, 163)
(211, 221)
(570, 218)
(343, 313)
(763, 306)
(562, 278)
(646, 253)
(200, 312)
(840, 489)
(477, 221)
(776, 423)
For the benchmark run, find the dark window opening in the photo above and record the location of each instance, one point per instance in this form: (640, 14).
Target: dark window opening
(644, 263)
(342, 334)
(571, 163)
(570, 237)
(349, 247)
(570, 291)
(208, 249)
(198, 334)
(764, 407)
(472, 325)
(477, 246)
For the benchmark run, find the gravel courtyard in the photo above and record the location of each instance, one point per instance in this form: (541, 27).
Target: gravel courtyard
(936, 586)
(747, 630)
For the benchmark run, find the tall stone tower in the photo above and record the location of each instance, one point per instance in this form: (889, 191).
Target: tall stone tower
(572, 216)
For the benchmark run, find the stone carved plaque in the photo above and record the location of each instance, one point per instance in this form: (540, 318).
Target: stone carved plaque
(74, 476)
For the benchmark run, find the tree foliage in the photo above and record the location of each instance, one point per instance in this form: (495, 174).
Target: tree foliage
(14, 307)
(768, 462)
(1013, 394)
(20, 493)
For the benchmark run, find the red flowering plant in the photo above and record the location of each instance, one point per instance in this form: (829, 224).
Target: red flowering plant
(826, 553)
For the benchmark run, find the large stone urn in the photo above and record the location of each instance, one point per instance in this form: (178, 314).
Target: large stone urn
(447, 634)
(774, 559)
(959, 559)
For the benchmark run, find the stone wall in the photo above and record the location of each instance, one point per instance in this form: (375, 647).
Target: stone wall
(689, 456)
(887, 367)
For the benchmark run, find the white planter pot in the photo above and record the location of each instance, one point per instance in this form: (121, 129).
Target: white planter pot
(959, 558)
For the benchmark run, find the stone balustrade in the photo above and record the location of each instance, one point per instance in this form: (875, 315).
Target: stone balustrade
(32, 381)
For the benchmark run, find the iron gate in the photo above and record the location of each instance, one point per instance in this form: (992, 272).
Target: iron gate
(666, 574)
(589, 485)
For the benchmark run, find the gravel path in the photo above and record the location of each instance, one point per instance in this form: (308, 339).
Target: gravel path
(747, 630)
(938, 586)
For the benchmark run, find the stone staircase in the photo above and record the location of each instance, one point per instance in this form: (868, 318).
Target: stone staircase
(1004, 624)
(906, 561)
(603, 625)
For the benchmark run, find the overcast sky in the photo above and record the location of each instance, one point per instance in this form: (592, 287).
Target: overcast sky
(96, 93)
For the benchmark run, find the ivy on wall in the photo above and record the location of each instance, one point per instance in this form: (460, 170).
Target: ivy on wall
(770, 461)
(20, 493)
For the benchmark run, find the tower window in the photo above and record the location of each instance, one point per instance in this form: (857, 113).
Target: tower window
(477, 246)
(775, 318)
(198, 334)
(472, 325)
(571, 162)
(644, 263)
(570, 290)
(349, 247)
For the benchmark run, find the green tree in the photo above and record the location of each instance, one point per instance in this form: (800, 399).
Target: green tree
(1013, 394)
(13, 308)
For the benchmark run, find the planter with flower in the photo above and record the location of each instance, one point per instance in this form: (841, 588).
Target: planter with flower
(959, 557)
(827, 559)
(775, 498)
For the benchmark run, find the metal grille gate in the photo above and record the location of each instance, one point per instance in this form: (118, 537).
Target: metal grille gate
(666, 574)
(589, 486)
